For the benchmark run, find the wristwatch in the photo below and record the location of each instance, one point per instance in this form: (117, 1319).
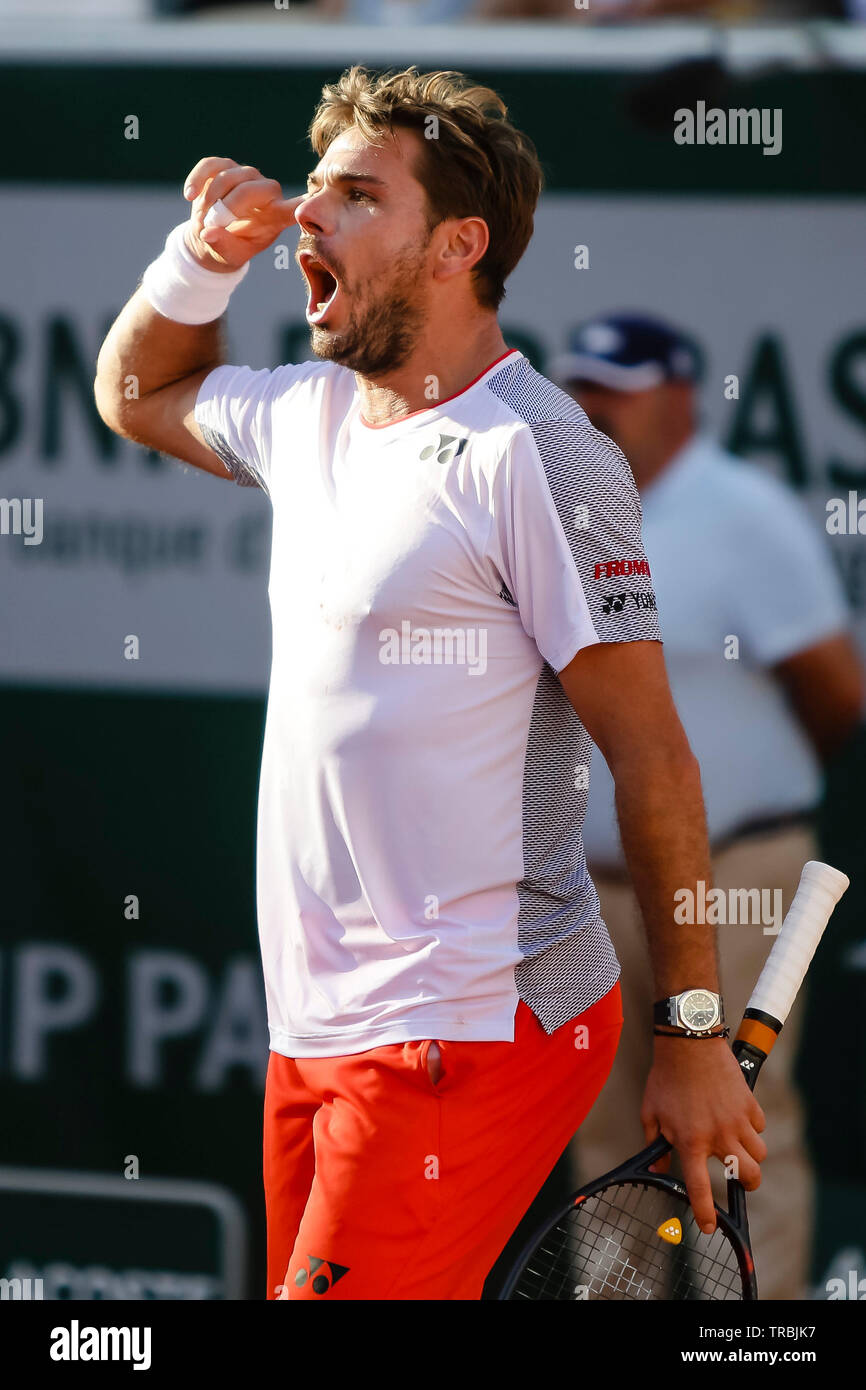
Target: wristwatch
(696, 1012)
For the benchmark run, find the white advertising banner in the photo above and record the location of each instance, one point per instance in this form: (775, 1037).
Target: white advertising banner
(102, 542)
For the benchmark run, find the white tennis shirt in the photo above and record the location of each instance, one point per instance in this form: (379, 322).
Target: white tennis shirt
(420, 864)
(733, 554)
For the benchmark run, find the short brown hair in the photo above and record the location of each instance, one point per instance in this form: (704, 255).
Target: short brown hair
(478, 165)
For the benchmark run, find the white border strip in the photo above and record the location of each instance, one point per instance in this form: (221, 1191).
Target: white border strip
(191, 42)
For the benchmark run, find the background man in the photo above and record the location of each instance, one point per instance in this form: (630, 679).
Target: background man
(732, 556)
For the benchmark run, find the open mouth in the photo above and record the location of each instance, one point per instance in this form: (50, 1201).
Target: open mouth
(323, 287)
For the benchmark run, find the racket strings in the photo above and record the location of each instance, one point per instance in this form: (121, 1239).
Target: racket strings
(608, 1247)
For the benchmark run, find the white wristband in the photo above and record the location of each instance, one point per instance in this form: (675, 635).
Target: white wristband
(181, 289)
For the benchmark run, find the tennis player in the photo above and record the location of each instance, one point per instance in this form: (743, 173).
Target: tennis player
(461, 606)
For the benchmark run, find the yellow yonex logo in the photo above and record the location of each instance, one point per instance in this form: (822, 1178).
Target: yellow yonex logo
(671, 1231)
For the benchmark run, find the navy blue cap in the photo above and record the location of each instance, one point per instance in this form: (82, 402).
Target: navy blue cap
(627, 352)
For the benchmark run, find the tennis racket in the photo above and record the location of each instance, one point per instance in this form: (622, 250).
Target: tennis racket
(631, 1234)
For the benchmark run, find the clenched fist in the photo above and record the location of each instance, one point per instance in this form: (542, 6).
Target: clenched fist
(260, 209)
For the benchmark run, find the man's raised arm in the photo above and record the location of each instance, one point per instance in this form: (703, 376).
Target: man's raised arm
(168, 338)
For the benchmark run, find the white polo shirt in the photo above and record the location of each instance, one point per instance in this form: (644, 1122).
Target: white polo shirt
(733, 555)
(420, 865)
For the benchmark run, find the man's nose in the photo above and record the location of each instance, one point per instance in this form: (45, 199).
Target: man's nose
(313, 214)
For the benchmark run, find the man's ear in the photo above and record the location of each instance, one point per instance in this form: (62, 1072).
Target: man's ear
(465, 245)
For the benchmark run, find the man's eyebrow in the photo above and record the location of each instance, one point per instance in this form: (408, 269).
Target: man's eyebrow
(339, 175)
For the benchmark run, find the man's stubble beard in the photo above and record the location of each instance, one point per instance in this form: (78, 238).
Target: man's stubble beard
(382, 336)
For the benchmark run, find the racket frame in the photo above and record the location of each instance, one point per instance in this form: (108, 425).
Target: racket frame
(635, 1171)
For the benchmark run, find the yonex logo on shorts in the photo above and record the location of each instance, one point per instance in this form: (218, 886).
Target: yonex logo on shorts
(608, 569)
(324, 1274)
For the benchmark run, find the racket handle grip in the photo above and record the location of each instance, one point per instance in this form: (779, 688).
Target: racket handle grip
(821, 887)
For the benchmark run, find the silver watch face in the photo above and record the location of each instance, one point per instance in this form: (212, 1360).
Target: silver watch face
(698, 1009)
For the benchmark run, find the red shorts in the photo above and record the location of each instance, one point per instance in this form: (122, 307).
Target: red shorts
(381, 1184)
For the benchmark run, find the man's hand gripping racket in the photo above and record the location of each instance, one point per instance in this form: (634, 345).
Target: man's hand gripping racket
(631, 1234)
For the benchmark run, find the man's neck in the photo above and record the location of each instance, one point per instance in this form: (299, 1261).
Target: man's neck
(440, 367)
(648, 470)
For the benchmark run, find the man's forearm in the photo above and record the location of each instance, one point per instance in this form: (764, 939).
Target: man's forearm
(144, 351)
(696, 1095)
(663, 827)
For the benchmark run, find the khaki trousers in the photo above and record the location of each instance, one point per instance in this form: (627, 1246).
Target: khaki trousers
(780, 1211)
